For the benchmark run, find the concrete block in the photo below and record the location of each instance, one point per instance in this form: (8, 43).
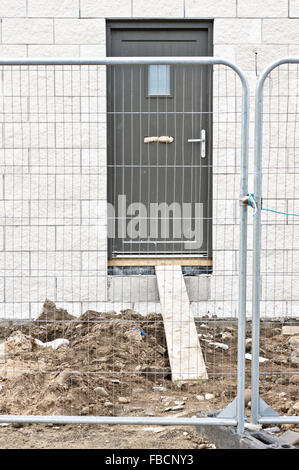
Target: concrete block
(292, 308)
(29, 238)
(21, 187)
(27, 31)
(83, 81)
(223, 309)
(13, 9)
(93, 158)
(285, 186)
(81, 238)
(53, 263)
(1, 238)
(264, 54)
(226, 237)
(105, 8)
(53, 50)
(210, 8)
(94, 262)
(15, 310)
(266, 9)
(272, 309)
(55, 212)
(53, 9)
(81, 288)
(81, 135)
(2, 291)
(29, 289)
(14, 159)
(224, 261)
(78, 187)
(280, 31)
(8, 50)
(14, 212)
(32, 135)
(105, 306)
(132, 289)
(226, 186)
(65, 160)
(198, 287)
(291, 260)
(279, 287)
(224, 211)
(294, 9)
(28, 82)
(144, 308)
(226, 51)
(166, 9)
(277, 236)
(145, 289)
(14, 263)
(93, 50)
(237, 31)
(93, 211)
(79, 31)
(224, 287)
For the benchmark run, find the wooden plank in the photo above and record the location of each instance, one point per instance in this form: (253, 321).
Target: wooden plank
(184, 351)
(290, 330)
(160, 262)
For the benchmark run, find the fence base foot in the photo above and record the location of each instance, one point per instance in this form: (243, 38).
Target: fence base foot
(227, 437)
(265, 410)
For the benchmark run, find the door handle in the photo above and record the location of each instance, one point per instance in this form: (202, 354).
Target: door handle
(202, 141)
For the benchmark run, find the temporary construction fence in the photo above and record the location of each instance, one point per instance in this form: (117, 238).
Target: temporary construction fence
(275, 249)
(159, 329)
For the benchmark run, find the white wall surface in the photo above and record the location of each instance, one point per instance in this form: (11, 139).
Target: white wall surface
(41, 259)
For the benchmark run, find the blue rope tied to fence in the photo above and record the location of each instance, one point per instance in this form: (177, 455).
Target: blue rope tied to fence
(252, 203)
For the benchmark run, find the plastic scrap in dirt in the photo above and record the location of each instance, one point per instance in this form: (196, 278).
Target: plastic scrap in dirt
(261, 359)
(155, 429)
(174, 408)
(55, 344)
(133, 335)
(140, 331)
(217, 345)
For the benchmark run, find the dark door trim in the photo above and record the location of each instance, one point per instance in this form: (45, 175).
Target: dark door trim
(149, 23)
(163, 24)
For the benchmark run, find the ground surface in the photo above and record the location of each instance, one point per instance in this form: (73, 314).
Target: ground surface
(117, 365)
(100, 437)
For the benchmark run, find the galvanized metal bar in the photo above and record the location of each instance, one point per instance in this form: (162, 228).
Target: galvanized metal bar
(279, 420)
(257, 228)
(243, 260)
(117, 420)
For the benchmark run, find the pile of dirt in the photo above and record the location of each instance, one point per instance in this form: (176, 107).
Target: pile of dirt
(105, 354)
(109, 363)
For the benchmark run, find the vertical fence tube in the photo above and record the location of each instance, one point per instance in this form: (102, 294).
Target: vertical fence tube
(256, 263)
(243, 259)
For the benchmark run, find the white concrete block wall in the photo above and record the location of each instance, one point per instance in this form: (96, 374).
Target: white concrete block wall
(53, 235)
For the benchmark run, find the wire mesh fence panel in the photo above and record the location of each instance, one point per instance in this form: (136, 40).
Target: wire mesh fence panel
(120, 224)
(279, 275)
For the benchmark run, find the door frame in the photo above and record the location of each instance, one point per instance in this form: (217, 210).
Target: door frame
(158, 23)
(148, 23)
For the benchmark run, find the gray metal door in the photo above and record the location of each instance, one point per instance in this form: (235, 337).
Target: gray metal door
(161, 192)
